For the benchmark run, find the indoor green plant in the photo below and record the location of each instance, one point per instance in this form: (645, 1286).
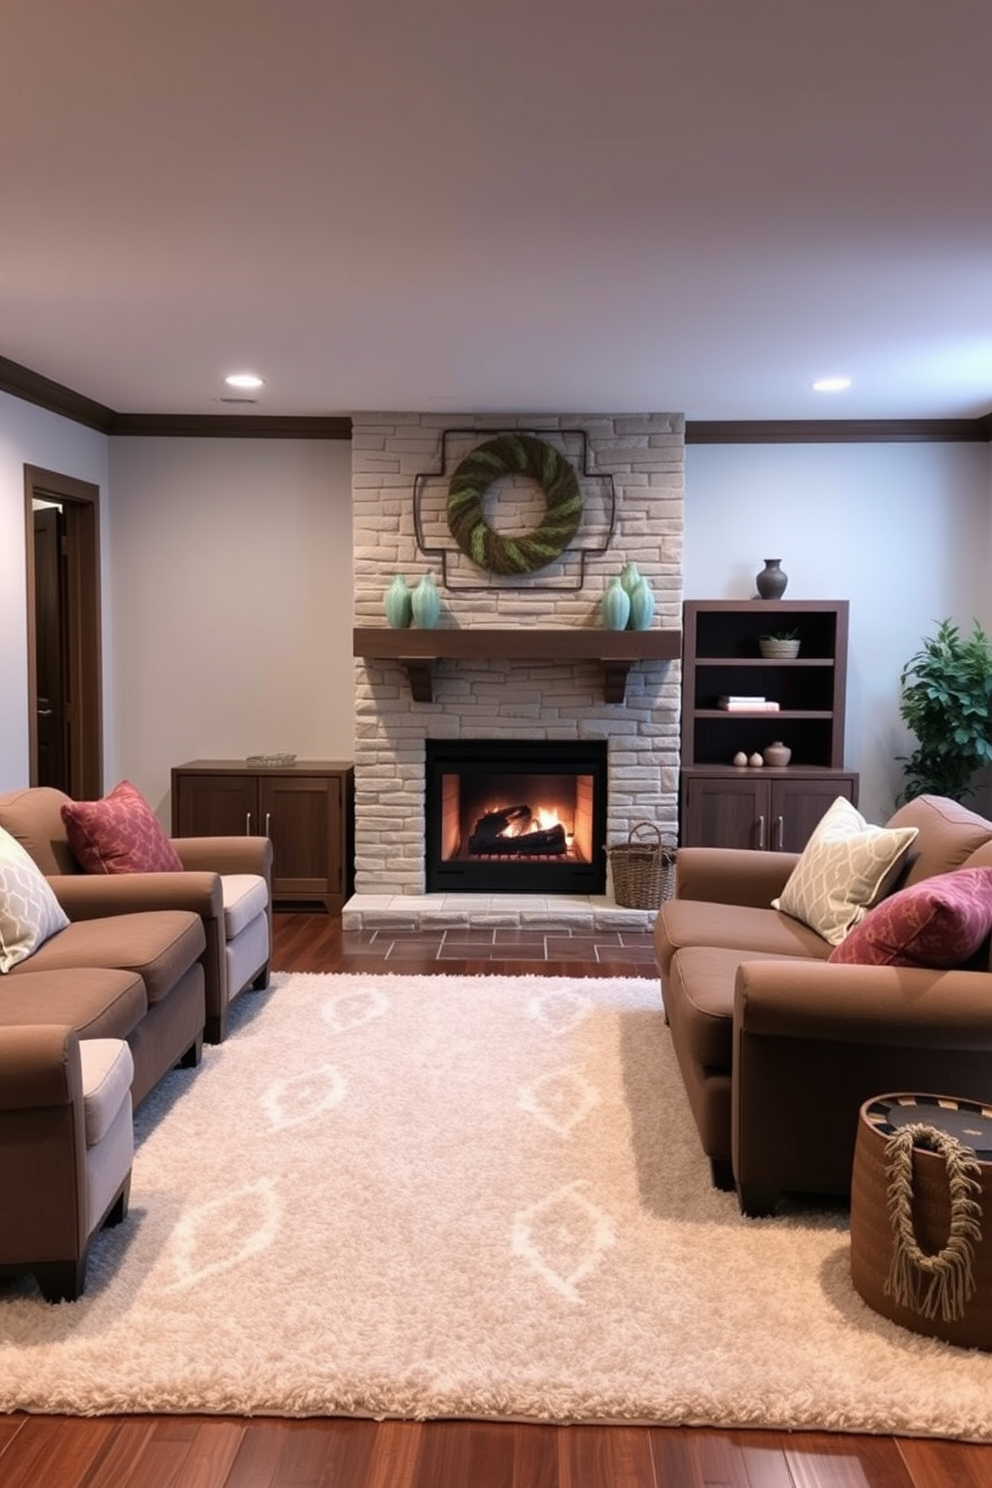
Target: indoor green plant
(946, 699)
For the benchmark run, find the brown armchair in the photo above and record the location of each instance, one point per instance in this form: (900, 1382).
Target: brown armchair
(227, 881)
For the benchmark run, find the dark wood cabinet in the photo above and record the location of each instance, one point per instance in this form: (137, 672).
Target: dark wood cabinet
(758, 808)
(306, 808)
(725, 805)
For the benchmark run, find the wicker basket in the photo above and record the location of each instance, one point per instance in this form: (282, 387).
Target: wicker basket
(643, 872)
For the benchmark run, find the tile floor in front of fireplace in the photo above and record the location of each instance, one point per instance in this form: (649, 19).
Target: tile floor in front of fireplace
(494, 927)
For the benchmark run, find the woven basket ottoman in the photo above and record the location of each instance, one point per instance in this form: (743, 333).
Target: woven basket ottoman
(941, 1283)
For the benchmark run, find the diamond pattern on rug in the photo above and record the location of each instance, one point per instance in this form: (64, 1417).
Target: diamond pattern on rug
(563, 1238)
(560, 1099)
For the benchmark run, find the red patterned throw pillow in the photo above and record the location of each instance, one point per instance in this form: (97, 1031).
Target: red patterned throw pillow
(940, 921)
(120, 834)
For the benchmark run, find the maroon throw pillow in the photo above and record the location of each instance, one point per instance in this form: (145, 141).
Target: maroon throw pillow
(940, 921)
(119, 834)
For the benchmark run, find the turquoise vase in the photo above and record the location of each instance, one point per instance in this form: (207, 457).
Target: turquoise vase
(641, 606)
(615, 606)
(398, 604)
(630, 577)
(426, 603)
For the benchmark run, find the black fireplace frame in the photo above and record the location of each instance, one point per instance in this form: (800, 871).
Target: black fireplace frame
(507, 757)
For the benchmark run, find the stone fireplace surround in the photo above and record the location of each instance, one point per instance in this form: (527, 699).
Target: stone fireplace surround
(493, 699)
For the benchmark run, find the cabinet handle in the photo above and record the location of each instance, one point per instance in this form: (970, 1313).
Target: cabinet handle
(779, 832)
(761, 833)
(247, 823)
(268, 818)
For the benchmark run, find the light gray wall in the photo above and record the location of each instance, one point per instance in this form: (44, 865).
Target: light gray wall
(228, 586)
(231, 573)
(903, 531)
(32, 436)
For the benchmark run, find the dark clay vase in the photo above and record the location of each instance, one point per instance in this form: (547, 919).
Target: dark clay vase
(771, 581)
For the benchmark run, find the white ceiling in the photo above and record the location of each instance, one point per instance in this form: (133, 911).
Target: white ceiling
(694, 205)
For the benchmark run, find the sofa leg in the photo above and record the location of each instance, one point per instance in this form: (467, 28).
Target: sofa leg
(216, 1028)
(117, 1213)
(756, 1202)
(193, 1054)
(61, 1281)
(262, 980)
(722, 1174)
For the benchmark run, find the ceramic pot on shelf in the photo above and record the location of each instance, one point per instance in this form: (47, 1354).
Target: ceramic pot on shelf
(641, 606)
(777, 754)
(398, 604)
(426, 603)
(771, 581)
(614, 607)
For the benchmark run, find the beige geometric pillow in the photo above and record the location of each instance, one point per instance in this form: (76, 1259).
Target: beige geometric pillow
(29, 910)
(845, 867)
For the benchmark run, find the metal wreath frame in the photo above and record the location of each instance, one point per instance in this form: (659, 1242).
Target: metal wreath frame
(441, 554)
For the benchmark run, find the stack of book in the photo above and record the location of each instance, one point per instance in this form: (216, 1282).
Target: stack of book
(743, 703)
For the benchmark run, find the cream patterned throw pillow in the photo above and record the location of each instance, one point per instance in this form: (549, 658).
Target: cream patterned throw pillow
(29, 910)
(845, 867)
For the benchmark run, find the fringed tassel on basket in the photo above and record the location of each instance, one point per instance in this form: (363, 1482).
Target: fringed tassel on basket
(943, 1282)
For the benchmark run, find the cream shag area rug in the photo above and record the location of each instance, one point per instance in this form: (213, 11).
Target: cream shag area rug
(464, 1196)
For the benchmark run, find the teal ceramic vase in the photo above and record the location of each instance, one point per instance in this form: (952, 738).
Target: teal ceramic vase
(641, 606)
(615, 606)
(630, 577)
(426, 603)
(398, 604)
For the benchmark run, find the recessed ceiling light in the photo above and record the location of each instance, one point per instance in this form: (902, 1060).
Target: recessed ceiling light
(831, 384)
(243, 380)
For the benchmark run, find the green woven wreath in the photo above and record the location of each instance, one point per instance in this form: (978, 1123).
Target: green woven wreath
(514, 454)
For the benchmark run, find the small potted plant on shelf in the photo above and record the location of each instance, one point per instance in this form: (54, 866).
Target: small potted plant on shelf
(779, 644)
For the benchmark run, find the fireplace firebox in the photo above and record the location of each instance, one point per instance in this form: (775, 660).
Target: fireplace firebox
(515, 816)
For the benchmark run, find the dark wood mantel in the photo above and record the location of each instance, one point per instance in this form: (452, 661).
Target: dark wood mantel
(417, 650)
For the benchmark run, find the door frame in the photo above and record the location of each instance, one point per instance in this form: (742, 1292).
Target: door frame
(80, 502)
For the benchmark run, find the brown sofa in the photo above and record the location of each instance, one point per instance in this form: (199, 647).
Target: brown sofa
(777, 1048)
(238, 935)
(134, 977)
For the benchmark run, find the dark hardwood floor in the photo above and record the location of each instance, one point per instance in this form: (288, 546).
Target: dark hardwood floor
(224, 1452)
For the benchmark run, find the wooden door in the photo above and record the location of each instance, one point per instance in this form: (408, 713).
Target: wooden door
(726, 811)
(797, 805)
(52, 761)
(302, 816)
(215, 805)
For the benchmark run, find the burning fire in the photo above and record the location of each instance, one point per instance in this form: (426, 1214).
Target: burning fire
(541, 819)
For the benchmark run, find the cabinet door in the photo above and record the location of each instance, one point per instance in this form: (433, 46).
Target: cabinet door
(302, 815)
(221, 805)
(797, 806)
(726, 811)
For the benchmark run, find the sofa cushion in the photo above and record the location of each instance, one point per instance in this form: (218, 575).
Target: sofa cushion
(245, 897)
(97, 1002)
(846, 866)
(940, 922)
(119, 834)
(159, 944)
(948, 834)
(696, 922)
(107, 1069)
(29, 910)
(699, 1000)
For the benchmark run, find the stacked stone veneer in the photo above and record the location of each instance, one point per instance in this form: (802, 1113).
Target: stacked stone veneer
(644, 454)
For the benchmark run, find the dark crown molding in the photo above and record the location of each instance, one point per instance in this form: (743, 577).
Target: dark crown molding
(32, 387)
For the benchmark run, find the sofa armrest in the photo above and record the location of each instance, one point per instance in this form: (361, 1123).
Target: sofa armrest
(90, 896)
(39, 1066)
(907, 1007)
(226, 854)
(727, 875)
